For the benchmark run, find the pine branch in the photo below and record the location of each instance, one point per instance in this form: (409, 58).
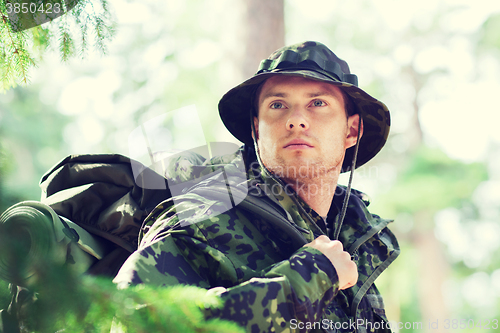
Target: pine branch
(100, 32)
(104, 32)
(17, 59)
(66, 44)
(82, 19)
(66, 301)
(15, 55)
(23, 63)
(41, 39)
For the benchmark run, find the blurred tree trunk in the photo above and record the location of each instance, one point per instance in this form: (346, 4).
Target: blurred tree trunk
(433, 272)
(415, 134)
(265, 32)
(432, 266)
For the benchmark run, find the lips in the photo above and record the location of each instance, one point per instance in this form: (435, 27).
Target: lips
(298, 143)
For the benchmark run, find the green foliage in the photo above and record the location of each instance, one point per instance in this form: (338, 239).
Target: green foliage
(490, 33)
(15, 58)
(31, 142)
(4, 294)
(6, 165)
(65, 301)
(433, 181)
(68, 33)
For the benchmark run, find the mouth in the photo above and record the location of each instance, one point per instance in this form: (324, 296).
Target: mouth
(298, 144)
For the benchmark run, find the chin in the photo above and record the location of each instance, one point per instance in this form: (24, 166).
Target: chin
(297, 168)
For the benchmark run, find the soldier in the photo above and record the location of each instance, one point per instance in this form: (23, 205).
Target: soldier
(291, 251)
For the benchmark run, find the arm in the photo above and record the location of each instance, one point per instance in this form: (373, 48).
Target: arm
(306, 262)
(298, 288)
(217, 256)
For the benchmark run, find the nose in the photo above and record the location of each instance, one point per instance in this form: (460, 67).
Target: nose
(297, 121)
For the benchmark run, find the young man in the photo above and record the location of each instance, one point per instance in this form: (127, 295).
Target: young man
(292, 254)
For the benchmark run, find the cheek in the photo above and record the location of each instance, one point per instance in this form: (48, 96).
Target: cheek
(266, 131)
(334, 134)
(268, 138)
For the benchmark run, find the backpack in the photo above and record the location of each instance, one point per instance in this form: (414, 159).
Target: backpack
(96, 204)
(92, 206)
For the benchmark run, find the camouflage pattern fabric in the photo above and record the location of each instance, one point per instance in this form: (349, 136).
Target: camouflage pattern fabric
(268, 282)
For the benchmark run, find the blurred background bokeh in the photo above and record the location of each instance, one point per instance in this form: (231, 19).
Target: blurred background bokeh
(436, 64)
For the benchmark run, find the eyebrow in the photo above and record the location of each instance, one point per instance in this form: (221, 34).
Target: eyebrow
(284, 95)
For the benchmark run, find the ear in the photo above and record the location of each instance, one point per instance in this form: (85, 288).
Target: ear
(352, 130)
(256, 126)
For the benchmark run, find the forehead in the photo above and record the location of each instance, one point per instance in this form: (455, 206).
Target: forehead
(280, 85)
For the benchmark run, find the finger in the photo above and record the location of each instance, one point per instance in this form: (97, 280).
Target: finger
(347, 285)
(323, 239)
(337, 245)
(350, 283)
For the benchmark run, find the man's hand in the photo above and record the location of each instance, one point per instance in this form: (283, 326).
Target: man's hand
(347, 271)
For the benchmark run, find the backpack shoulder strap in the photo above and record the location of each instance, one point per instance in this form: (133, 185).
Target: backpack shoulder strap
(257, 204)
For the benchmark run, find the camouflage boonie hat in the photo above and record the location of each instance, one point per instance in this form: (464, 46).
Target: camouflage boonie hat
(311, 60)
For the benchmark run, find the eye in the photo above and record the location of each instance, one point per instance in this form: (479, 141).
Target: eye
(318, 102)
(277, 105)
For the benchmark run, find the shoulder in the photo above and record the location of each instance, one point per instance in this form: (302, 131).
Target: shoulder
(359, 223)
(188, 213)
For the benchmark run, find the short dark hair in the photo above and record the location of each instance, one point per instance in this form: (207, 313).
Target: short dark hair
(349, 105)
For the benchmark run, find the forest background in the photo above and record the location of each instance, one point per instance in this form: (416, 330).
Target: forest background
(436, 64)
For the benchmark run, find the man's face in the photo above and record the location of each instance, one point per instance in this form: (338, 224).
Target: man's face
(302, 128)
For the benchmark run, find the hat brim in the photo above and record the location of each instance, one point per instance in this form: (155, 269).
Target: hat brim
(235, 107)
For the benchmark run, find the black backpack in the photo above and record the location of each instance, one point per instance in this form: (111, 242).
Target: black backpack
(99, 195)
(95, 200)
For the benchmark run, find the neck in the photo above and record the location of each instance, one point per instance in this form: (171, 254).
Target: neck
(317, 193)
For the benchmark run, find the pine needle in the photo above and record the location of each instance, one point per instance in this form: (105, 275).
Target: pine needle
(71, 37)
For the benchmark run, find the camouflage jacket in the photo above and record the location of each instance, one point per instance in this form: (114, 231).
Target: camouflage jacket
(247, 247)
